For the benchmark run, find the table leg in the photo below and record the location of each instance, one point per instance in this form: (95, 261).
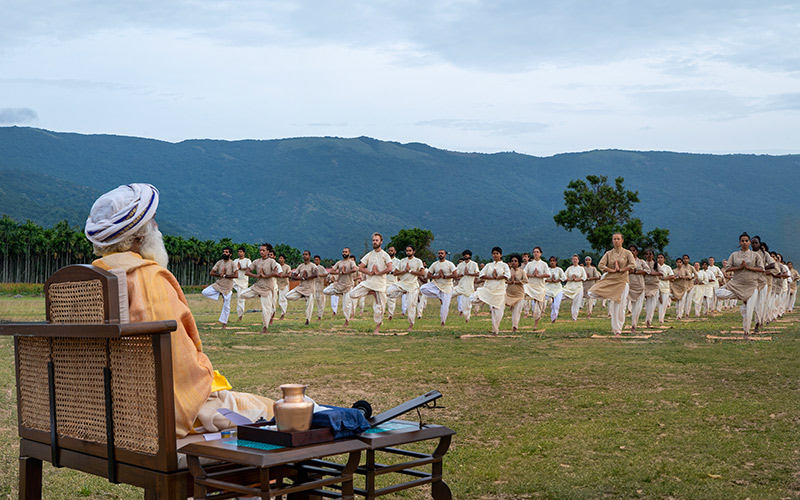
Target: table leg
(200, 491)
(347, 474)
(369, 476)
(439, 489)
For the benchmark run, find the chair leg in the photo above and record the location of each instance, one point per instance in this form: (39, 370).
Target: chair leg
(30, 478)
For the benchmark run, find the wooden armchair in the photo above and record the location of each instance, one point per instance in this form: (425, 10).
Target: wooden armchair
(95, 393)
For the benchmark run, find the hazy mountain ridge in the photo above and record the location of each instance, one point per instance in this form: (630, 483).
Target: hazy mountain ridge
(325, 193)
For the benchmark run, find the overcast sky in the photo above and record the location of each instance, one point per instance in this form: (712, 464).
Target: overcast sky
(534, 77)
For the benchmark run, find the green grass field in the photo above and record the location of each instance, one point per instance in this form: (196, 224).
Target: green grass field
(554, 414)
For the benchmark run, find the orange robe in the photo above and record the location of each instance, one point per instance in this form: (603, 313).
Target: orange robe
(155, 295)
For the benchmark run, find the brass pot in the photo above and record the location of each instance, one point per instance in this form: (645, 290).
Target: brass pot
(293, 412)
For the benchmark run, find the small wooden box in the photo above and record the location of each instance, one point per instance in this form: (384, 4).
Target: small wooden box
(257, 432)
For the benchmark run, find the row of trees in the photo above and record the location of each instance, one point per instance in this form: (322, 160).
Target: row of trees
(30, 253)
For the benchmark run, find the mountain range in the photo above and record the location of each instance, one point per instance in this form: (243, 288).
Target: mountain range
(324, 193)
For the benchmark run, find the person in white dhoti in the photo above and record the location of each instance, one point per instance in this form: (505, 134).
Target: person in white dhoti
(745, 265)
(493, 291)
(651, 281)
(665, 277)
(374, 266)
(305, 273)
(573, 290)
(535, 289)
(716, 279)
(319, 286)
(554, 291)
(792, 286)
(408, 270)
(224, 271)
(441, 285)
(264, 270)
(528, 307)
(241, 282)
(699, 295)
(390, 279)
(689, 269)
(344, 272)
(615, 264)
(636, 291)
(592, 275)
(466, 272)
(283, 284)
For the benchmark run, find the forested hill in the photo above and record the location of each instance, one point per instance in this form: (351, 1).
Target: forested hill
(325, 193)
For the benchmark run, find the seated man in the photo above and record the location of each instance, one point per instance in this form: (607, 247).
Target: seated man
(124, 234)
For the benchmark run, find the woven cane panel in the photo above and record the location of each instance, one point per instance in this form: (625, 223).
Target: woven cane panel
(133, 385)
(34, 401)
(80, 403)
(76, 302)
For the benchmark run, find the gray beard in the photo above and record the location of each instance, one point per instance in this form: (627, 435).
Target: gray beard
(153, 248)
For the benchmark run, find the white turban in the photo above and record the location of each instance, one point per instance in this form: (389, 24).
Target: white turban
(121, 213)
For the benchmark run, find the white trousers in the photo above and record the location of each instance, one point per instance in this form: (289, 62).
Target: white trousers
(617, 311)
(663, 306)
(516, 312)
(361, 292)
(213, 294)
(636, 309)
(497, 312)
(650, 308)
(431, 290)
(295, 295)
(746, 309)
(790, 302)
(687, 305)
(346, 311)
(282, 302)
(576, 305)
(409, 301)
(589, 302)
(267, 303)
(240, 301)
(319, 298)
(555, 305)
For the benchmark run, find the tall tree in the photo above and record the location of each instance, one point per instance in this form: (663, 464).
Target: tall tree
(421, 239)
(598, 211)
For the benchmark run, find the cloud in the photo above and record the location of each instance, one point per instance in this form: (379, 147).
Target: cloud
(17, 116)
(493, 127)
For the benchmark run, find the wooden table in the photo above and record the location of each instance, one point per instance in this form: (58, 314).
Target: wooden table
(384, 439)
(271, 465)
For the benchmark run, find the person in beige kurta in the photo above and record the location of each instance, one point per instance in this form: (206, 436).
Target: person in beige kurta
(441, 274)
(666, 275)
(264, 270)
(651, 280)
(283, 285)
(616, 264)
(680, 287)
(241, 282)
(515, 289)
(573, 290)
(305, 273)
(689, 269)
(374, 266)
(319, 286)
(746, 265)
(391, 302)
(225, 272)
(592, 275)
(466, 270)
(493, 291)
(636, 283)
(537, 272)
(792, 286)
(344, 272)
(408, 272)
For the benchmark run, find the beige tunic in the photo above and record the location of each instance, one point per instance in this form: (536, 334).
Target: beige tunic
(651, 280)
(264, 286)
(344, 282)
(572, 288)
(516, 291)
(680, 285)
(493, 292)
(391, 278)
(466, 284)
(763, 278)
(379, 260)
(224, 285)
(446, 267)
(611, 285)
(591, 272)
(636, 281)
(744, 281)
(535, 288)
(284, 282)
(663, 283)
(795, 277)
(319, 281)
(408, 282)
(306, 286)
(552, 289)
(241, 280)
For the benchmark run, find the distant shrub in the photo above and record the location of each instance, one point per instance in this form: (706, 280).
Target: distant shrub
(27, 289)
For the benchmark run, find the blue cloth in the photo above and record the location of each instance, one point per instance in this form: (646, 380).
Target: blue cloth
(344, 422)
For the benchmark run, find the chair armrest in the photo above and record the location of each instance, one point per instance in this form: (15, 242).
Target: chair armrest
(99, 330)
